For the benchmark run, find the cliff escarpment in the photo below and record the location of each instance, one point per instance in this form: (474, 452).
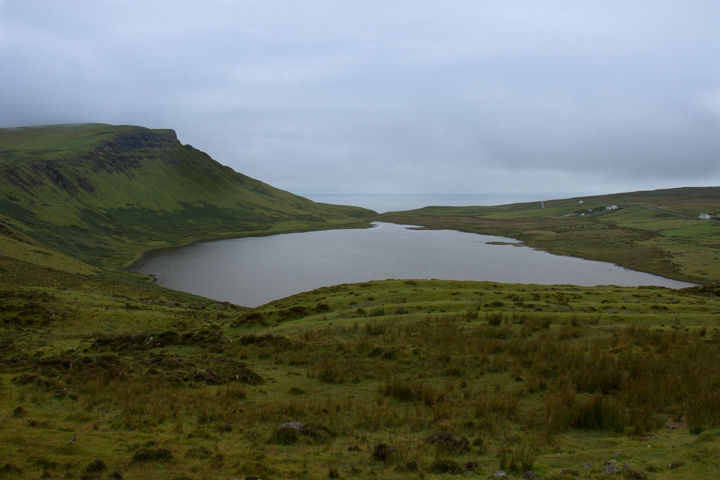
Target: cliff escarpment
(100, 193)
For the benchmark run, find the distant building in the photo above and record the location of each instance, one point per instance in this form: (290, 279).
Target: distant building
(581, 202)
(704, 216)
(612, 207)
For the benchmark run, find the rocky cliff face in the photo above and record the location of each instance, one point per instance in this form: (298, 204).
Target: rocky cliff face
(125, 152)
(119, 154)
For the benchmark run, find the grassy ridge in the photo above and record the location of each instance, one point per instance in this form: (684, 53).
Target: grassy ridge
(657, 231)
(101, 193)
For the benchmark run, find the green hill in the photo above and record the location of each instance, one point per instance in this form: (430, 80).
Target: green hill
(657, 231)
(101, 193)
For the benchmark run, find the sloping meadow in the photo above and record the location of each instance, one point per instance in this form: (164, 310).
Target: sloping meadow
(396, 378)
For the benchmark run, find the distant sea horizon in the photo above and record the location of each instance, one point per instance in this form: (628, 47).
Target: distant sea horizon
(390, 202)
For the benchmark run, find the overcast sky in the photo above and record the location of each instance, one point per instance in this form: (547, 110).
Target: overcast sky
(384, 96)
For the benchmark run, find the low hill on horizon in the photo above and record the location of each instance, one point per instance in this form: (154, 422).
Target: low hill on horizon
(669, 232)
(101, 193)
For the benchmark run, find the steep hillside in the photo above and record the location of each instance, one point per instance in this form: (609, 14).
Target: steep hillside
(101, 193)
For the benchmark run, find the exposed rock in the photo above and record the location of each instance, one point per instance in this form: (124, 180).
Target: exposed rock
(295, 425)
(610, 469)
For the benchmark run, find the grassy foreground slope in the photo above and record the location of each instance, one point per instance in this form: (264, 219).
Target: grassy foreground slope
(395, 379)
(653, 231)
(102, 193)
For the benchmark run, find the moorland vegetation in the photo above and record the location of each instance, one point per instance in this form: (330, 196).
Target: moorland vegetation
(105, 375)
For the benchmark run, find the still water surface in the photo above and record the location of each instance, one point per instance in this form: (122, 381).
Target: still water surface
(256, 270)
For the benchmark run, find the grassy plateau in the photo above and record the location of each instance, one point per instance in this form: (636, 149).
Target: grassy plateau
(105, 375)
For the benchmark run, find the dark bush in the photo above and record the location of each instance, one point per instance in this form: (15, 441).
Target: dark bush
(198, 452)
(317, 432)
(446, 443)
(445, 466)
(494, 318)
(286, 436)
(292, 313)
(95, 467)
(152, 455)
(383, 452)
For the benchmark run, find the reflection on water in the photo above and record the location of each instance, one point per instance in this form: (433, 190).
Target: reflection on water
(253, 271)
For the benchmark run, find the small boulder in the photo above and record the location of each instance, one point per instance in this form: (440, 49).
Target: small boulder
(297, 426)
(610, 469)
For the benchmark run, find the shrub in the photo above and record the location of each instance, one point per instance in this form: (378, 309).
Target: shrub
(286, 436)
(383, 452)
(95, 467)
(198, 452)
(516, 459)
(408, 390)
(152, 455)
(446, 443)
(494, 318)
(445, 465)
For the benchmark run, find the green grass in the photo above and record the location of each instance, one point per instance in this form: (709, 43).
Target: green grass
(160, 384)
(102, 193)
(657, 232)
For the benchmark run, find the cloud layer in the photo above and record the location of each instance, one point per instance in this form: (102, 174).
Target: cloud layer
(465, 96)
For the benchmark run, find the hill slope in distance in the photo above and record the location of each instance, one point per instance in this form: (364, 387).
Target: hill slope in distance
(101, 193)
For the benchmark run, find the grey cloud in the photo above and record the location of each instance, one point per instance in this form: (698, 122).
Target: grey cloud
(375, 96)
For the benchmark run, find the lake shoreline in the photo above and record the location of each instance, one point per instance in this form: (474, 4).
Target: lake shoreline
(289, 263)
